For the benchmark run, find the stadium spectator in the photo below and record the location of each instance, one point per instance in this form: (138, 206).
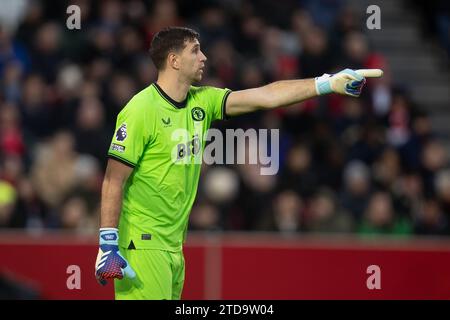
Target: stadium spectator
(53, 173)
(432, 220)
(325, 216)
(357, 188)
(381, 219)
(286, 216)
(91, 134)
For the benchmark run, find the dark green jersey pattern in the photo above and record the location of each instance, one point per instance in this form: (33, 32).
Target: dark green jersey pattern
(163, 140)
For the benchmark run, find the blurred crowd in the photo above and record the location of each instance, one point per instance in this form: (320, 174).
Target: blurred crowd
(370, 166)
(435, 20)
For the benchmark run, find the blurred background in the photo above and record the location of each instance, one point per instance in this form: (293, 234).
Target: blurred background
(373, 167)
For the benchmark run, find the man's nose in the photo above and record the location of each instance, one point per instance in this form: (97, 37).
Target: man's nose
(203, 58)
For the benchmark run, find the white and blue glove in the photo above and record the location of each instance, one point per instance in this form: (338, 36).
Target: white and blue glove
(347, 82)
(110, 263)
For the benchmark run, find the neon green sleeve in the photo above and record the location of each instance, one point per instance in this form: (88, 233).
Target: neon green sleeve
(216, 101)
(131, 134)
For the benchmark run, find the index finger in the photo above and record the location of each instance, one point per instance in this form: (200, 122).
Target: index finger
(370, 73)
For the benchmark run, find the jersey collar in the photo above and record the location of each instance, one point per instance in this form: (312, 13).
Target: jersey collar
(165, 96)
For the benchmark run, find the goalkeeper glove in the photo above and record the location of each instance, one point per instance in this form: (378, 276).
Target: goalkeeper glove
(347, 82)
(110, 263)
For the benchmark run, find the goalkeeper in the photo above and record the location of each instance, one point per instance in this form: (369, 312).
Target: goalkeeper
(151, 179)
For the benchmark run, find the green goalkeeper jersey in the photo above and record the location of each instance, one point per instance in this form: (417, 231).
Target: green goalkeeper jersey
(163, 141)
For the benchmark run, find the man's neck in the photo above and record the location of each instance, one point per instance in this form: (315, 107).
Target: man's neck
(173, 87)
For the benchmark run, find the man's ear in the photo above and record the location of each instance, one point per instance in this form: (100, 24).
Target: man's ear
(173, 61)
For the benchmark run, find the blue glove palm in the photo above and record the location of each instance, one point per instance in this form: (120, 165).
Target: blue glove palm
(110, 263)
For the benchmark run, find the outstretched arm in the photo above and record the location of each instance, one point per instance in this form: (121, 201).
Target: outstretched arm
(273, 95)
(286, 92)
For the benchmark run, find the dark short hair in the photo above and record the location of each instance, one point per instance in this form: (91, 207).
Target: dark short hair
(170, 39)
